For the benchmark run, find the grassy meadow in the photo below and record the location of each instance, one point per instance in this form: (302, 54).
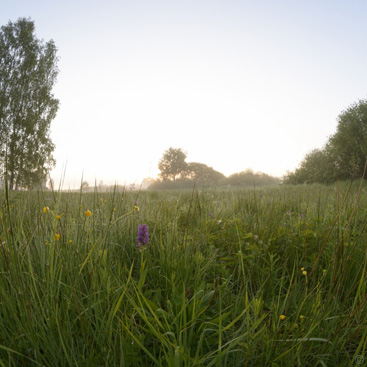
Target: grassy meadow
(230, 277)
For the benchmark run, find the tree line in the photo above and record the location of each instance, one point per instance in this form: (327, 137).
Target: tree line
(176, 173)
(343, 156)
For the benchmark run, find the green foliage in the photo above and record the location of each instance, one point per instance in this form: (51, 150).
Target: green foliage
(318, 166)
(343, 157)
(28, 73)
(221, 267)
(350, 141)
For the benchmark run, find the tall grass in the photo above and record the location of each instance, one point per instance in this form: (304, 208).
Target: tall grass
(221, 268)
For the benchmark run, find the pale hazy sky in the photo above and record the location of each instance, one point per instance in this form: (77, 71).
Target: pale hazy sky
(236, 84)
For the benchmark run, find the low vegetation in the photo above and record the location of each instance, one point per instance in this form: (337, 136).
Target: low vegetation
(236, 277)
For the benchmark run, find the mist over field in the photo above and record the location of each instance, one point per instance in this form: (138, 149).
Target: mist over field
(182, 183)
(236, 85)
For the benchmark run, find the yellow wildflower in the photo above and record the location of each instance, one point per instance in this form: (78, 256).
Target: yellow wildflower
(46, 209)
(304, 272)
(282, 317)
(57, 237)
(70, 241)
(136, 208)
(58, 217)
(302, 269)
(88, 213)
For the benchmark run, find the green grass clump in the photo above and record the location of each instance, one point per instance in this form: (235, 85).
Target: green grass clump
(251, 277)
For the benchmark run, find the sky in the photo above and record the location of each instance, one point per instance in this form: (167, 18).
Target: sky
(235, 84)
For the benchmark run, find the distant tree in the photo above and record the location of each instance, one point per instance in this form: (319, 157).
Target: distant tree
(28, 71)
(172, 165)
(147, 181)
(101, 186)
(244, 178)
(249, 178)
(201, 173)
(84, 185)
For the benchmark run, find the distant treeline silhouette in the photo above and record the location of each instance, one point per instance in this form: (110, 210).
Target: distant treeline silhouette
(176, 173)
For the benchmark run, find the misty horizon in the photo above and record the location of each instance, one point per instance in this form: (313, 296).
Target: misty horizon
(237, 84)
